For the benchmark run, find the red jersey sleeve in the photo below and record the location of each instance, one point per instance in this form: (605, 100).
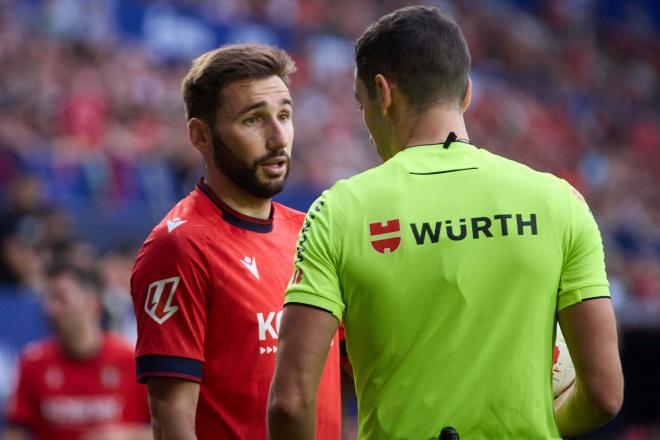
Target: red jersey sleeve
(23, 404)
(169, 287)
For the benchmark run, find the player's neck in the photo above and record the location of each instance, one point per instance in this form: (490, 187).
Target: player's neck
(236, 197)
(432, 127)
(84, 343)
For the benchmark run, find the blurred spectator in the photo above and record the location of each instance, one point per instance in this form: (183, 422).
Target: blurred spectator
(80, 384)
(21, 226)
(115, 269)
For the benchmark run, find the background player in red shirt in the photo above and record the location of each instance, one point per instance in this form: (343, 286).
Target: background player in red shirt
(80, 384)
(208, 284)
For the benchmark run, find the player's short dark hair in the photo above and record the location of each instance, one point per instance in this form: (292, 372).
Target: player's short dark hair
(88, 278)
(421, 50)
(213, 70)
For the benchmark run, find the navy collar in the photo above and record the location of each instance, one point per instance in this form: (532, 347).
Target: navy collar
(234, 217)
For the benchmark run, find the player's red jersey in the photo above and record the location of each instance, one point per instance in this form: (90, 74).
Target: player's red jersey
(208, 289)
(59, 397)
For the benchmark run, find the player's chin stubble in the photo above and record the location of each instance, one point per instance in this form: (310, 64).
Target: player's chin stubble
(245, 175)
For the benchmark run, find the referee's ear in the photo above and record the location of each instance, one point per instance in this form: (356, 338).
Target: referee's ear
(383, 93)
(468, 96)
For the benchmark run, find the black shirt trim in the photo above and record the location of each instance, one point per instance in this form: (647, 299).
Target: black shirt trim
(234, 217)
(595, 297)
(310, 306)
(442, 172)
(170, 366)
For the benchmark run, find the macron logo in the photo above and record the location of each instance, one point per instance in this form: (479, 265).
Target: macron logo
(251, 264)
(174, 223)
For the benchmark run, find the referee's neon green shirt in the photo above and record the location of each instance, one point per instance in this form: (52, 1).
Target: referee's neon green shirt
(448, 267)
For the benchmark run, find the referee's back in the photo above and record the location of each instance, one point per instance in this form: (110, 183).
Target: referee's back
(452, 264)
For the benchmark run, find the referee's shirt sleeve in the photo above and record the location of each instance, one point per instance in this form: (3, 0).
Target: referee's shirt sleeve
(315, 281)
(583, 273)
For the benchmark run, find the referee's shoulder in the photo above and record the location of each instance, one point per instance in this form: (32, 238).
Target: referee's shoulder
(525, 173)
(358, 183)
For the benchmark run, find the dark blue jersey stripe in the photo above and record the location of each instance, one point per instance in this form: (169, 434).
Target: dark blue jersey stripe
(172, 366)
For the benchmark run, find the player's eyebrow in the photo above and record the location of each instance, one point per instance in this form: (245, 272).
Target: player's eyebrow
(260, 104)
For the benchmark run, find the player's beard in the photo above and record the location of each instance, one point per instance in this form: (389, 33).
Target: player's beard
(245, 175)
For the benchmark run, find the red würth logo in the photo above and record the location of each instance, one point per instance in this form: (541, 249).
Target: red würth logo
(390, 243)
(158, 304)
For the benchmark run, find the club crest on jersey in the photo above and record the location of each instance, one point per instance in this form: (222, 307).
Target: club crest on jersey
(391, 243)
(158, 303)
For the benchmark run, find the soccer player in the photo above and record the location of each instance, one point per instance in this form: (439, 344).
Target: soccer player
(448, 266)
(81, 383)
(208, 285)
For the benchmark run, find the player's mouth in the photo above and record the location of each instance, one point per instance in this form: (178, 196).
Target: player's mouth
(275, 167)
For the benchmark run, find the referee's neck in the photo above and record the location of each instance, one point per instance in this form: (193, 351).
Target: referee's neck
(432, 127)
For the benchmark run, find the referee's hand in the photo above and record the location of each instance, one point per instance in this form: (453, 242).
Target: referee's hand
(560, 399)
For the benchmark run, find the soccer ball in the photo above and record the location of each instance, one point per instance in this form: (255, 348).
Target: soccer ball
(563, 372)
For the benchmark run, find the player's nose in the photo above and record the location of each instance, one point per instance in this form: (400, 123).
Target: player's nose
(279, 136)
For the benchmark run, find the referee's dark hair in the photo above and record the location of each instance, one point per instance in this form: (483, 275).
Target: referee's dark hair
(421, 50)
(211, 71)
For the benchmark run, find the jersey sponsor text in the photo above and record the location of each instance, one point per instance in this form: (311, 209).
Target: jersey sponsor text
(476, 227)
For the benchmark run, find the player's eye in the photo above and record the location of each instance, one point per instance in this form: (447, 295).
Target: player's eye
(284, 116)
(252, 120)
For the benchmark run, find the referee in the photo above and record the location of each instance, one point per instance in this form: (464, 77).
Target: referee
(448, 265)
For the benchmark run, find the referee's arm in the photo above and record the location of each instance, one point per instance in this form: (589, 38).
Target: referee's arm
(597, 394)
(305, 336)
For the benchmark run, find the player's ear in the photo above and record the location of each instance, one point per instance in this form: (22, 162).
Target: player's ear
(468, 96)
(383, 93)
(200, 136)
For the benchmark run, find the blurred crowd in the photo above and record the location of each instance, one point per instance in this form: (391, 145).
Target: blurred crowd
(92, 124)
